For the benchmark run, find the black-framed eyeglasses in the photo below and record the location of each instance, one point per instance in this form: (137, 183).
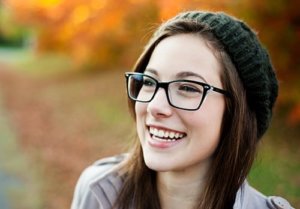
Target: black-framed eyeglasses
(181, 94)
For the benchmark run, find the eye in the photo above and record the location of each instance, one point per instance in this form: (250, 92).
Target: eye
(188, 88)
(149, 82)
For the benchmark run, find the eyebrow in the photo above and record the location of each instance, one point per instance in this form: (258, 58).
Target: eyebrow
(179, 75)
(150, 70)
(189, 74)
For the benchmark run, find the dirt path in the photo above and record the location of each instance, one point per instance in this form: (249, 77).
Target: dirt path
(64, 124)
(15, 177)
(6, 181)
(4, 203)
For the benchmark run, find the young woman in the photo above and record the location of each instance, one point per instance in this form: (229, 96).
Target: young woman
(201, 94)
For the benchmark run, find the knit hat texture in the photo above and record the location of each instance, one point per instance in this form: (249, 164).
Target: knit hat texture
(250, 58)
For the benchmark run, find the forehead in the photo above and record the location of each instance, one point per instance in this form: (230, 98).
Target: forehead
(185, 52)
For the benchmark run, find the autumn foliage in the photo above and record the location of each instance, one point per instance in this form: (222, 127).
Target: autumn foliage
(101, 34)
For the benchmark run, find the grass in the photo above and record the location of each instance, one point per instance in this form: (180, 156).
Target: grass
(277, 166)
(84, 118)
(25, 60)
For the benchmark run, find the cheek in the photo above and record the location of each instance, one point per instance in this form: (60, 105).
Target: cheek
(140, 114)
(140, 110)
(207, 121)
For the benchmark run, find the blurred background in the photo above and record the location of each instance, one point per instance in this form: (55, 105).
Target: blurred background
(63, 101)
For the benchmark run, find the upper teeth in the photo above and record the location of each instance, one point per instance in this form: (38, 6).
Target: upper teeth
(165, 134)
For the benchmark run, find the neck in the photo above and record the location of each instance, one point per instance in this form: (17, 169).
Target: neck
(180, 189)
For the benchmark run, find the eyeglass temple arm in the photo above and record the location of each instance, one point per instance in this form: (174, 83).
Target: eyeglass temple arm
(226, 93)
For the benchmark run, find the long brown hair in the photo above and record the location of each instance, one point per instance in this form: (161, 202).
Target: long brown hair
(235, 153)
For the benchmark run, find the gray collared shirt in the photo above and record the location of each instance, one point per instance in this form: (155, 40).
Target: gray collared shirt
(98, 186)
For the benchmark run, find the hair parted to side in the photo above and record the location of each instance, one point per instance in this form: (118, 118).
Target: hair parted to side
(235, 153)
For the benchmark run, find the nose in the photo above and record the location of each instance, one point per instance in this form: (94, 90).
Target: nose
(159, 106)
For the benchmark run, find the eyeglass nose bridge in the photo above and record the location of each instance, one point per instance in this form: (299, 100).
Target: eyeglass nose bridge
(165, 86)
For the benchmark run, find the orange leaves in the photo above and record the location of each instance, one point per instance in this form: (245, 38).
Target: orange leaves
(294, 115)
(169, 9)
(94, 30)
(89, 25)
(32, 11)
(80, 14)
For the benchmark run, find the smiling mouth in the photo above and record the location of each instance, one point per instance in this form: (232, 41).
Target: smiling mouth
(166, 135)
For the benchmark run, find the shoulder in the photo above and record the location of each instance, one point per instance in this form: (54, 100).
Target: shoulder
(98, 170)
(250, 198)
(87, 185)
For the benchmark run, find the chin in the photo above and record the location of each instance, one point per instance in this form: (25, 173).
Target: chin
(158, 167)
(158, 163)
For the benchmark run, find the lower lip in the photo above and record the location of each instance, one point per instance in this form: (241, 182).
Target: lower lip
(156, 143)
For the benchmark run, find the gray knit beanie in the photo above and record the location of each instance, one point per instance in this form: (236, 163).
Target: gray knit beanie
(250, 58)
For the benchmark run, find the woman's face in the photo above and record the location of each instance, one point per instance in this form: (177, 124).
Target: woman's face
(197, 133)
